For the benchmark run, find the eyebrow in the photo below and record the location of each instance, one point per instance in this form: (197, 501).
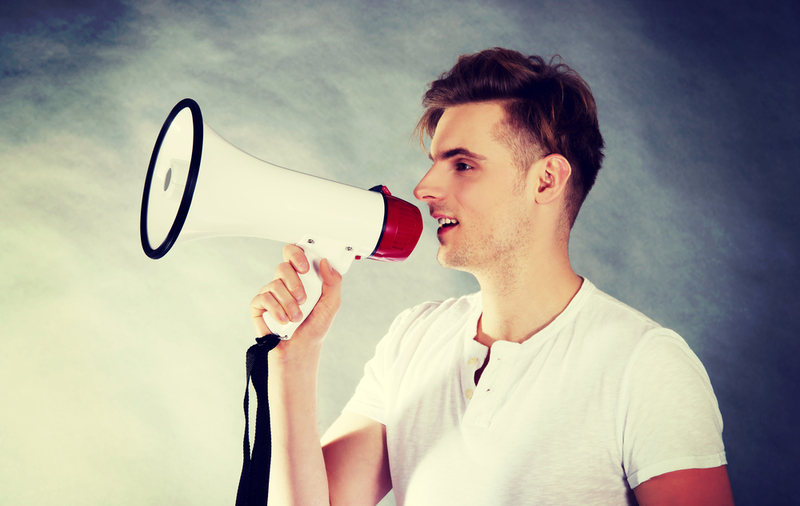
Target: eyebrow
(458, 152)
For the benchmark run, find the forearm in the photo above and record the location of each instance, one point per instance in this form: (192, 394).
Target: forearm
(297, 473)
(297, 470)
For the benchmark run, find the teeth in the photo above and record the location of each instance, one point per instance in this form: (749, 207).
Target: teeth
(447, 221)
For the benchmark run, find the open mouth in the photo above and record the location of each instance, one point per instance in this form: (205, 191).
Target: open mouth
(445, 223)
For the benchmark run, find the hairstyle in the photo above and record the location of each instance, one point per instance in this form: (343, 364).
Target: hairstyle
(549, 109)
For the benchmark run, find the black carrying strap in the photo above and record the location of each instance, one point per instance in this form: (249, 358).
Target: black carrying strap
(254, 481)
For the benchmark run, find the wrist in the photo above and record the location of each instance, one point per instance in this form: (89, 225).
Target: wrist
(294, 356)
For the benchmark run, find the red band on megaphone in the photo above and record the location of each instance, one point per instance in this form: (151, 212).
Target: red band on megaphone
(401, 230)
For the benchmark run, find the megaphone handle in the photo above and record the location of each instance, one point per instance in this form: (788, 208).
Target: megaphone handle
(339, 258)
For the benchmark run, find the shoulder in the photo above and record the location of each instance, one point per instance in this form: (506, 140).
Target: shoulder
(432, 322)
(616, 333)
(605, 326)
(667, 414)
(646, 337)
(444, 312)
(606, 312)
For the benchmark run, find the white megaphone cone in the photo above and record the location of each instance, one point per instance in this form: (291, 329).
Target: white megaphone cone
(199, 185)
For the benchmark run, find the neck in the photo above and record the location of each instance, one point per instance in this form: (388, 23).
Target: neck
(525, 295)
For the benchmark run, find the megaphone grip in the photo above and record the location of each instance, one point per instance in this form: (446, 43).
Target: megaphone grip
(312, 284)
(339, 257)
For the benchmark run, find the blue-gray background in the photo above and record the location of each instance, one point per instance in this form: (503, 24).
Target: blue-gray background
(122, 377)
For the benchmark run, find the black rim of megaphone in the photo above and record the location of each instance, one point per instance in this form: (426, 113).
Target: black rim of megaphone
(191, 179)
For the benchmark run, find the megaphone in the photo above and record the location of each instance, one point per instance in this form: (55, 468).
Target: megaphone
(199, 185)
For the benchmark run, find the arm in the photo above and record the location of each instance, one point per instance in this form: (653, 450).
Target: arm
(689, 487)
(298, 472)
(357, 461)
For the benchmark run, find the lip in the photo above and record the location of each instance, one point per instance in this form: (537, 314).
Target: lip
(442, 228)
(439, 216)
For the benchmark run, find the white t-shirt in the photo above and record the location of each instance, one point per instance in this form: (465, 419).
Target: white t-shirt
(597, 402)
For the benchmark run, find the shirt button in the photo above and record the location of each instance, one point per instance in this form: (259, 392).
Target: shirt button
(472, 361)
(468, 393)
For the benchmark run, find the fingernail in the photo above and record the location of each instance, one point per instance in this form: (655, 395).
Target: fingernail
(297, 316)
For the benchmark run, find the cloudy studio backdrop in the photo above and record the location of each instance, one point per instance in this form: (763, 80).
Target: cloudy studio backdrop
(121, 377)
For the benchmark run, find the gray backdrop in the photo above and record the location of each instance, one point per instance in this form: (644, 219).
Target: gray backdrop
(122, 377)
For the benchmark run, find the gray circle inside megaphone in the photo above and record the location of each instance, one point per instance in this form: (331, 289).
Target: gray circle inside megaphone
(167, 179)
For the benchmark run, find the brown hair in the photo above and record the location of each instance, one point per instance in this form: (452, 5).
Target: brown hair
(549, 109)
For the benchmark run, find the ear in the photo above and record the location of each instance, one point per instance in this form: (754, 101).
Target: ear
(552, 176)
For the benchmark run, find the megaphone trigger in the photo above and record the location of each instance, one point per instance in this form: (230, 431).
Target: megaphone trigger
(339, 255)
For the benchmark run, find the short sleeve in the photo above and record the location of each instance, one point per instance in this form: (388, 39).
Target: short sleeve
(370, 398)
(669, 413)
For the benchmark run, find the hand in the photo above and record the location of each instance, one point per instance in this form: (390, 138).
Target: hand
(284, 294)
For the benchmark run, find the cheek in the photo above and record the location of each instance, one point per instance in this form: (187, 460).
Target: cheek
(473, 196)
(485, 201)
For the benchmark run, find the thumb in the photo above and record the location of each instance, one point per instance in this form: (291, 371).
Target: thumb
(331, 279)
(330, 299)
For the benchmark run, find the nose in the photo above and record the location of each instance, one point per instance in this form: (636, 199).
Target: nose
(429, 188)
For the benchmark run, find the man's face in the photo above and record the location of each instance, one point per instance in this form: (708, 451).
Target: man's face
(476, 191)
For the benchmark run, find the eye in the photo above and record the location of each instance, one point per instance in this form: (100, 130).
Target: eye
(461, 166)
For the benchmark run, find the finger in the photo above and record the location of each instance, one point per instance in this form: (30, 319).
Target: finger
(297, 257)
(279, 301)
(287, 274)
(287, 301)
(263, 303)
(268, 303)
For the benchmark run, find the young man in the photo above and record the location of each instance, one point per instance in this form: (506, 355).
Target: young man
(539, 389)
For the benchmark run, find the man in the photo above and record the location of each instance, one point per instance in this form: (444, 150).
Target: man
(540, 389)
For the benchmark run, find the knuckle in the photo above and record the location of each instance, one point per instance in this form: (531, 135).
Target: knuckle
(295, 288)
(272, 287)
(288, 279)
(292, 251)
(286, 271)
(282, 269)
(267, 301)
(290, 303)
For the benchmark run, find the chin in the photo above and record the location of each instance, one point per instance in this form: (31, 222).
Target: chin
(452, 260)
